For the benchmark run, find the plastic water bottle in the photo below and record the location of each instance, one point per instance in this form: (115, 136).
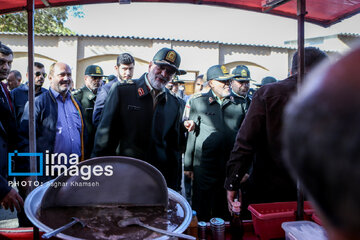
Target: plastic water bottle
(193, 227)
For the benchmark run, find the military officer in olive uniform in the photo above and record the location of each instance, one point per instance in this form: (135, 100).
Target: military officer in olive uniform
(214, 120)
(87, 96)
(240, 86)
(145, 119)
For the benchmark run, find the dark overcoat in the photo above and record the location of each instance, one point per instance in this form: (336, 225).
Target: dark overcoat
(145, 132)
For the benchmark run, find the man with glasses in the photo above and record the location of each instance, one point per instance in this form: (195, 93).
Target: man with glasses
(87, 97)
(144, 118)
(214, 120)
(20, 95)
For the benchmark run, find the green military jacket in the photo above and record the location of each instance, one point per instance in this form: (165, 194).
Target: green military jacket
(87, 100)
(209, 146)
(143, 132)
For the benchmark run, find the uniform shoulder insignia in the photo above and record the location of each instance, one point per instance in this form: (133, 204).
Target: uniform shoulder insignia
(196, 95)
(76, 91)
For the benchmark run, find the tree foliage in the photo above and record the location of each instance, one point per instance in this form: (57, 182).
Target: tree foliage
(47, 20)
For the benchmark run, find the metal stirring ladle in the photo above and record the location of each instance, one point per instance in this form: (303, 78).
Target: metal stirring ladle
(136, 221)
(60, 229)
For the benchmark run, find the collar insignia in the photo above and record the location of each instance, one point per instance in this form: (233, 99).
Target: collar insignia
(140, 91)
(211, 99)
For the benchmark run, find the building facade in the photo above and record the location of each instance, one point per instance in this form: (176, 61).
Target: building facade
(80, 51)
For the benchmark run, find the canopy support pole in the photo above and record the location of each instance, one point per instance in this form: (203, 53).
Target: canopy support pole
(32, 134)
(301, 12)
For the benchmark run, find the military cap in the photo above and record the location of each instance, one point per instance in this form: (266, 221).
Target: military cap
(177, 80)
(182, 72)
(169, 57)
(242, 73)
(266, 80)
(218, 72)
(94, 71)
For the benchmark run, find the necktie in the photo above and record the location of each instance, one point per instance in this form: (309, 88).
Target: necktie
(6, 97)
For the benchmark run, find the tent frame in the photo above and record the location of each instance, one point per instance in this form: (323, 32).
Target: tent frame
(268, 6)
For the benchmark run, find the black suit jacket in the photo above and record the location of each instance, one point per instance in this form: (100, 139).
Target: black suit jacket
(8, 141)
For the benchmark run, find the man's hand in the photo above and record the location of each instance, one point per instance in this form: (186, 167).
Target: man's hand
(189, 125)
(231, 195)
(190, 174)
(11, 200)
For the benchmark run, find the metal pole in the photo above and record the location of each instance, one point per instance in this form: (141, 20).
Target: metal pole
(301, 12)
(32, 135)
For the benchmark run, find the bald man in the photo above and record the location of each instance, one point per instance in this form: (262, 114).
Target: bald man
(321, 141)
(60, 126)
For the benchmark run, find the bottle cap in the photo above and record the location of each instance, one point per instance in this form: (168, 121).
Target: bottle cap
(193, 212)
(217, 221)
(202, 224)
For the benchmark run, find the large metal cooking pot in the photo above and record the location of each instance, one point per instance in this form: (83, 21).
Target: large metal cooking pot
(132, 178)
(33, 202)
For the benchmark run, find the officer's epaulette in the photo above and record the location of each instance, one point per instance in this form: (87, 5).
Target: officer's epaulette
(196, 95)
(76, 91)
(127, 82)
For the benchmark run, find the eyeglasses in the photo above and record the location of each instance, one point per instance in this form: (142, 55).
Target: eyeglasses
(38, 74)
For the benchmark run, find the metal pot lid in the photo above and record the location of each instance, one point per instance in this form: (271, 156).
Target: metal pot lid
(108, 180)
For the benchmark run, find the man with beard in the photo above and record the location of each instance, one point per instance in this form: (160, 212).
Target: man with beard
(9, 198)
(58, 116)
(214, 120)
(124, 68)
(240, 86)
(87, 96)
(145, 119)
(20, 95)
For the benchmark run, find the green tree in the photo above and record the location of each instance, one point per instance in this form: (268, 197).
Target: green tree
(47, 20)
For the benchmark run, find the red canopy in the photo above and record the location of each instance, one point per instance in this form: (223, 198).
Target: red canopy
(322, 12)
